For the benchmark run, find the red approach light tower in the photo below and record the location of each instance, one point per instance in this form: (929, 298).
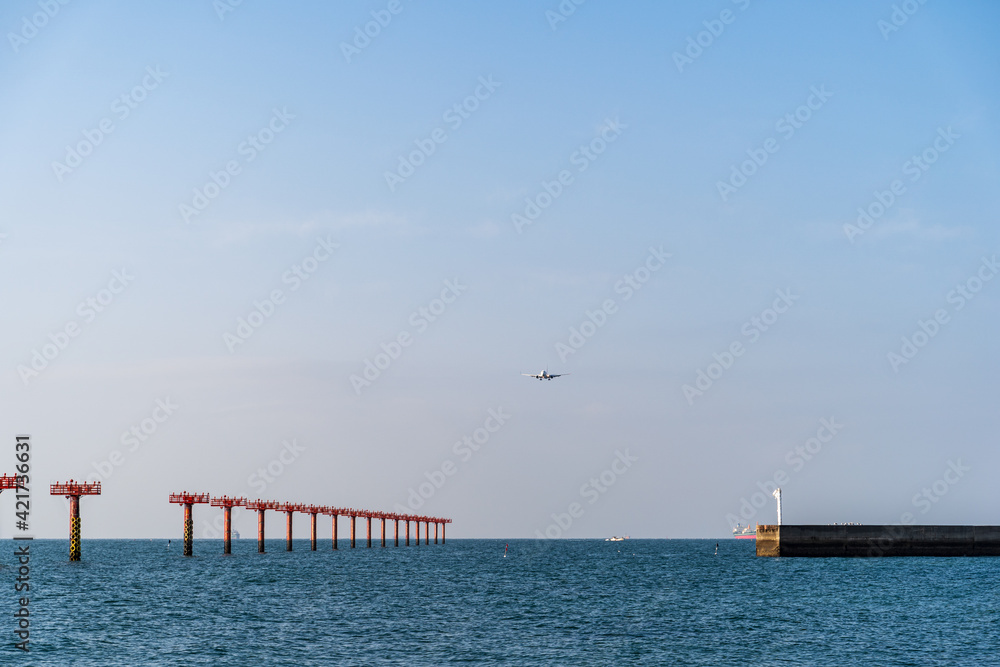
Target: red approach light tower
(188, 500)
(333, 512)
(73, 490)
(312, 511)
(353, 513)
(261, 506)
(8, 482)
(289, 509)
(227, 504)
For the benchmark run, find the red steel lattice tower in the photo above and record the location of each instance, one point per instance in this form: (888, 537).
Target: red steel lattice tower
(73, 490)
(227, 504)
(8, 482)
(188, 500)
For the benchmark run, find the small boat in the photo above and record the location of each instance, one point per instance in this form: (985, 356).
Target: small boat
(616, 539)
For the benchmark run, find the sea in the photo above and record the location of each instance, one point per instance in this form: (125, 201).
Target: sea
(493, 602)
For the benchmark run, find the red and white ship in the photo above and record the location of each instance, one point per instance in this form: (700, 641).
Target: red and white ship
(747, 532)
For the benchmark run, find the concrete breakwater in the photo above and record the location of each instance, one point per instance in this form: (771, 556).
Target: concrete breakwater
(877, 541)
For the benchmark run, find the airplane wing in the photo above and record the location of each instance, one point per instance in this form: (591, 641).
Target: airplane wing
(530, 375)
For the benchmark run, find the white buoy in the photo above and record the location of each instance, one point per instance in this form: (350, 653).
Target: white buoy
(777, 495)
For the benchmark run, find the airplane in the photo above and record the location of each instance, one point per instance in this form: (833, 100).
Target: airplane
(544, 375)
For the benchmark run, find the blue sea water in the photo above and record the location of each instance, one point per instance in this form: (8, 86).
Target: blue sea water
(562, 602)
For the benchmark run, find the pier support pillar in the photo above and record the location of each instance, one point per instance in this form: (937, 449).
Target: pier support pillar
(334, 532)
(397, 532)
(427, 532)
(407, 532)
(443, 527)
(260, 531)
(74, 527)
(288, 530)
(352, 530)
(369, 522)
(312, 531)
(227, 530)
(188, 530)
(383, 531)
(435, 532)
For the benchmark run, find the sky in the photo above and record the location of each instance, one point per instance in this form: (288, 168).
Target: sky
(303, 252)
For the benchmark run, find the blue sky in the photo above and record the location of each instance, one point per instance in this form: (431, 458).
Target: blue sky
(334, 127)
